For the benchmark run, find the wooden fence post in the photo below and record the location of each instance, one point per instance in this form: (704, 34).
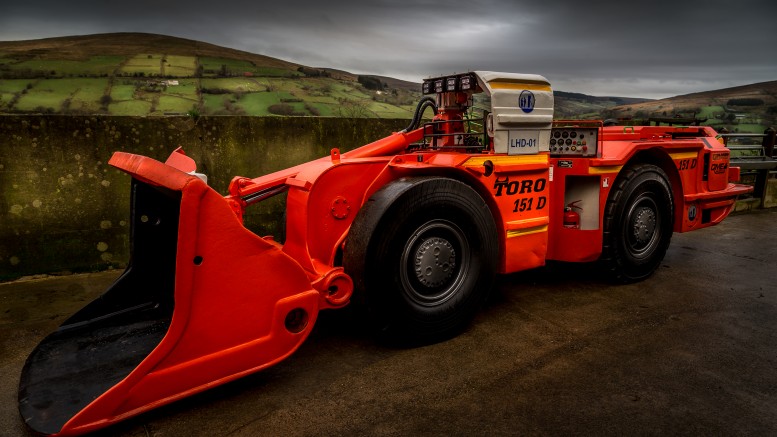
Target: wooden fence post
(769, 140)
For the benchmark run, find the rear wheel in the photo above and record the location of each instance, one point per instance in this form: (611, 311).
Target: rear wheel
(638, 223)
(431, 261)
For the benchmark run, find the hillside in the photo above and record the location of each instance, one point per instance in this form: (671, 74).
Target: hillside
(145, 74)
(576, 105)
(83, 47)
(141, 74)
(748, 108)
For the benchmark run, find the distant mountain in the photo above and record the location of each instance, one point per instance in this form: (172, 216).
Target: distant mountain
(577, 105)
(83, 47)
(747, 108)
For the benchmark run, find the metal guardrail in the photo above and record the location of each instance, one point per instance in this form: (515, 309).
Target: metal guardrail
(753, 158)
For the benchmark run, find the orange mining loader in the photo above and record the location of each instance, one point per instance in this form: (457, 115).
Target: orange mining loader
(414, 226)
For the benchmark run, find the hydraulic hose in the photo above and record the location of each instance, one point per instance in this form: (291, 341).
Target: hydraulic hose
(419, 112)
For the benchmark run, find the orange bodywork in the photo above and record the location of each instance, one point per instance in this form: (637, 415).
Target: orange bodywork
(243, 303)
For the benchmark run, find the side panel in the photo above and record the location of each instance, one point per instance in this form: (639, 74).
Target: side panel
(520, 188)
(587, 188)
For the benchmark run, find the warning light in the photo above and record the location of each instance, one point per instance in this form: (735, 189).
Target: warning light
(450, 84)
(465, 83)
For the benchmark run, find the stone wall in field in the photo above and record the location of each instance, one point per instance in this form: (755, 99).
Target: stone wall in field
(64, 209)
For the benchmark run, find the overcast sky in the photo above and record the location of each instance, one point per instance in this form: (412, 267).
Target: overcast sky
(651, 49)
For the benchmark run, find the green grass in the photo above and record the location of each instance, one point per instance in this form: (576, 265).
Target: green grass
(322, 99)
(257, 103)
(131, 107)
(122, 92)
(94, 66)
(325, 110)
(174, 104)
(180, 66)
(340, 90)
(752, 128)
(87, 98)
(15, 85)
(234, 67)
(710, 112)
(246, 94)
(214, 103)
(292, 86)
(186, 88)
(46, 100)
(147, 64)
(213, 66)
(84, 94)
(276, 72)
(234, 84)
(384, 110)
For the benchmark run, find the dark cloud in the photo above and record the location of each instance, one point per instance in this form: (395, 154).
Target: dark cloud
(652, 49)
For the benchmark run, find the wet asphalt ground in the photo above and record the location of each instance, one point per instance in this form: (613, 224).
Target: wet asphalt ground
(557, 351)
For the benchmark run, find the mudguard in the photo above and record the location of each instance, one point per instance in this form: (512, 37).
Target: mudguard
(203, 302)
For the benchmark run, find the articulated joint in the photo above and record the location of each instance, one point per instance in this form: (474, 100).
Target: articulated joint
(335, 287)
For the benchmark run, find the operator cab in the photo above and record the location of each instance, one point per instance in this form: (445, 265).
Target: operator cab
(501, 112)
(504, 113)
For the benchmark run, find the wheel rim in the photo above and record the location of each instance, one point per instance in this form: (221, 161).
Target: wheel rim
(643, 227)
(434, 263)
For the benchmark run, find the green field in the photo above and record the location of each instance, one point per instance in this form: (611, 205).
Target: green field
(94, 66)
(160, 82)
(755, 128)
(234, 84)
(12, 86)
(122, 92)
(81, 95)
(710, 112)
(186, 88)
(257, 103)
(233, 95)
(180, 66)
(144, 64)
(233, 67)
(131, 107)
(173, 104)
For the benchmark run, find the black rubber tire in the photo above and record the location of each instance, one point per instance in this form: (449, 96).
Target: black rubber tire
(638, 223)
(431, 261)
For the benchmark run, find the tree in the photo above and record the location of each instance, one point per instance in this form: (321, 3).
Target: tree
(371, 83)
(353, 108)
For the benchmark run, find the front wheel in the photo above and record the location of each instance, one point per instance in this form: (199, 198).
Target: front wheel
(431, 261)
(638, 223)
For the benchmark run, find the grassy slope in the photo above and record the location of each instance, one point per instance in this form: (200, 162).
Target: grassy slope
(123, 74)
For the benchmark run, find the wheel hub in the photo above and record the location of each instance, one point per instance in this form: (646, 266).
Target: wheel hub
(434, 262)
(644, 225)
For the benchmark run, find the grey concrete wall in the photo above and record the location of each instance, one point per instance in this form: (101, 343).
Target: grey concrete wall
(63, 209)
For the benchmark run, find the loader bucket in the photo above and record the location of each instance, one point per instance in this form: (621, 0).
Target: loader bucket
(202, 302)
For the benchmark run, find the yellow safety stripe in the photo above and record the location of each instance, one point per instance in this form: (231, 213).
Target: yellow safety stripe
(477, 161)
(527, 223)
(603, 170)
(528, 231)
(685, 155)
(519, 86)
